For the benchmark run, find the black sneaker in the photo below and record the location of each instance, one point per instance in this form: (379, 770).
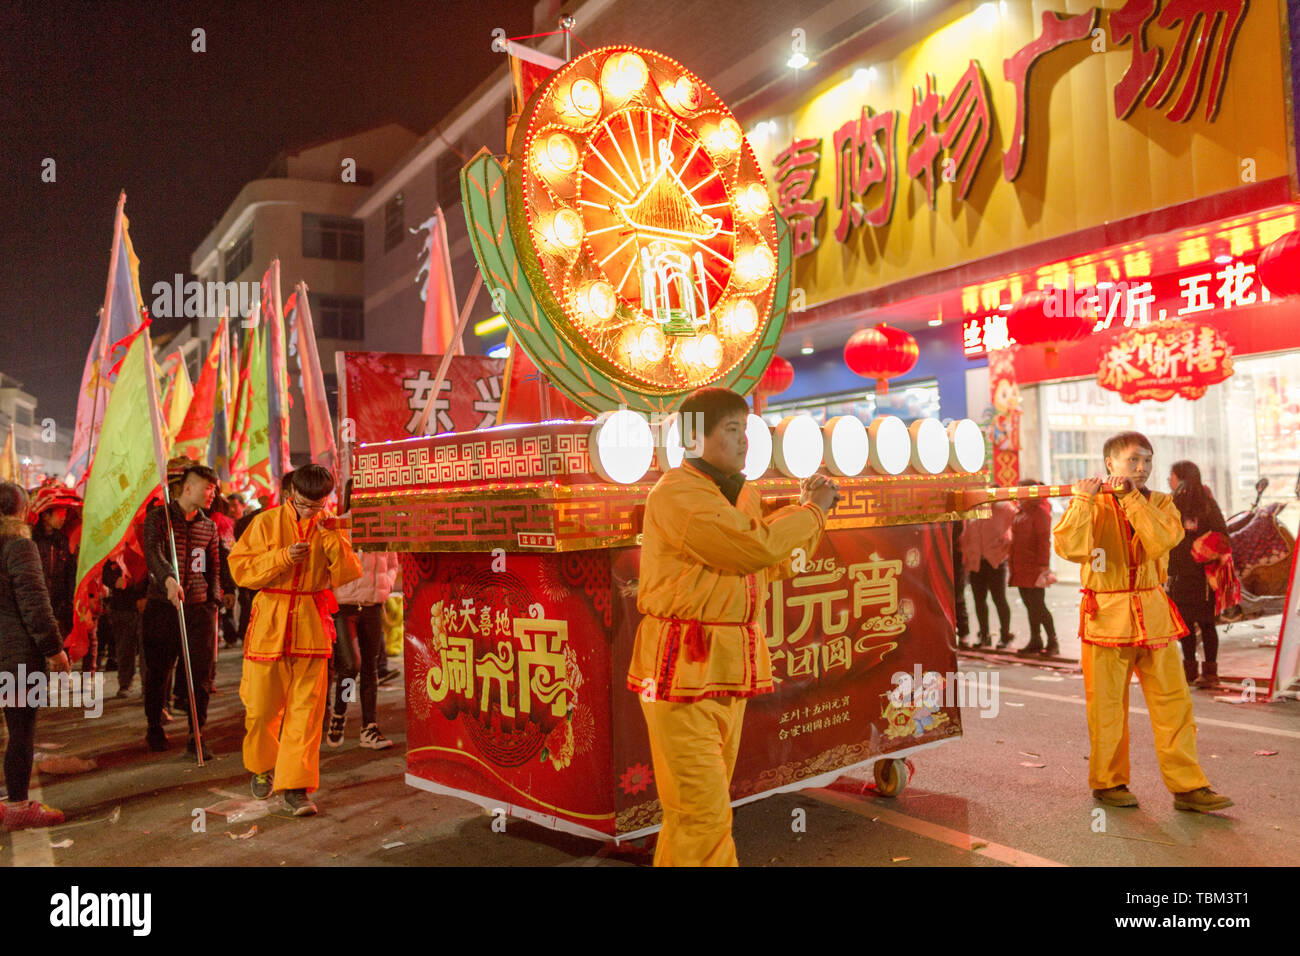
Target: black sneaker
(190, 749)
(298, 803)
(262, 785)
(334, 736)
(385, 677)
(156, 739)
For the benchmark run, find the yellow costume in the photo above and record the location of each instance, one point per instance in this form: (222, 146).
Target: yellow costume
(700, 651)
(290, 639)
(1128, 623)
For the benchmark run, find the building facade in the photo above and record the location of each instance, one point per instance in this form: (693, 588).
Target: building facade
(300, 212)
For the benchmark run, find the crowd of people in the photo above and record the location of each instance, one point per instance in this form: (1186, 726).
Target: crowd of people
(236, 577)
(284, 582)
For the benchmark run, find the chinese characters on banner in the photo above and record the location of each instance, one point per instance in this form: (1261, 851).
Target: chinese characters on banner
(1164, 360)
(397, 387)
(516, 674)
(1135, 303)
(948, 135)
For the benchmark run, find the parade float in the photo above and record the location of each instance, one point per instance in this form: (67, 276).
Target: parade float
(630, 241)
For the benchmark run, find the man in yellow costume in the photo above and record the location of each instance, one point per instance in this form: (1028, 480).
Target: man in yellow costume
(1127, 622)
(707, 557)
(293, 555)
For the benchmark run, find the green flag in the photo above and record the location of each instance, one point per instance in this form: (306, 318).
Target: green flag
(130, 464)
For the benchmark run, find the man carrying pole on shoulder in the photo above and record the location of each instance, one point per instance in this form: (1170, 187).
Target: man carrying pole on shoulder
(707, 559)
(294, 554)
(180, 548)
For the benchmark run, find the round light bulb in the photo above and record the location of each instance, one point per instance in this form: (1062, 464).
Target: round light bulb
(740, 318)
(731, 134)
(597, 300)
(582, 98)
(710, 351)
(623, 75)
(562, 152)
(563, 229)
(753, 200)
(754, 267)
(684, 94)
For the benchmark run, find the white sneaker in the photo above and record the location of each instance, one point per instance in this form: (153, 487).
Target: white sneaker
(372, 739)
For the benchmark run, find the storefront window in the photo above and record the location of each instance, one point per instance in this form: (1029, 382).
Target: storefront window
(1242, 430)
(910, 402)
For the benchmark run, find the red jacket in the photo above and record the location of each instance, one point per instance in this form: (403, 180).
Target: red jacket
(987, 538)
(1031, 543)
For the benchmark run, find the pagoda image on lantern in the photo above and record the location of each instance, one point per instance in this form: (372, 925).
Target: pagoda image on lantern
(664, 272)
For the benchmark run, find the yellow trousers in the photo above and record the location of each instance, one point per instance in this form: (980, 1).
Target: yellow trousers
(694, 751)
(1106, 675)
(284, 703)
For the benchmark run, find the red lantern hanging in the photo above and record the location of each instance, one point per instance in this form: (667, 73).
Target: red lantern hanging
(882, 353)
(1042, 317)
(778, 377)
(1278, 266)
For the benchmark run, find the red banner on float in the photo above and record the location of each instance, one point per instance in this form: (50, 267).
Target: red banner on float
(1164, 360)
(515, 669)
(397, 386)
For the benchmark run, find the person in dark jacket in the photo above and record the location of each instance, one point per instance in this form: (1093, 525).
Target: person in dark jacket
(1030, 560)
(60, 564)
(195, 590)
(29, 637)
(126, 598)
(959, 585)
(1188, 587)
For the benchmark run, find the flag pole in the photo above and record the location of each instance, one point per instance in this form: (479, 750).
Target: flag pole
(447, 353)
(156, 425)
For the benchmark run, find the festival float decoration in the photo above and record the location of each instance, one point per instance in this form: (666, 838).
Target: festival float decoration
(629, 240)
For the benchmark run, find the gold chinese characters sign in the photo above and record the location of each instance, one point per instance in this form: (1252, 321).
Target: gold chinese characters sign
(1009, 124)
(1164, 360)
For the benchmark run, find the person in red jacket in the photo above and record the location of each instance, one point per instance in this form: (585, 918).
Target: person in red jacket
(1031, 556)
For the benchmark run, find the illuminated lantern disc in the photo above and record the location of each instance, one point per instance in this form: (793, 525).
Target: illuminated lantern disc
(798, 447)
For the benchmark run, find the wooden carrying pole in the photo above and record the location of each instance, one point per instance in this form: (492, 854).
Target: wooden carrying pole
(968, 498)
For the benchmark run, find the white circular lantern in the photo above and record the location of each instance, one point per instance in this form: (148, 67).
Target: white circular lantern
(845, 446)
(759, 457)
(966, 439)
(621, 446)
(669, 451)
(798, 447)
(929, 446)
(891, 445)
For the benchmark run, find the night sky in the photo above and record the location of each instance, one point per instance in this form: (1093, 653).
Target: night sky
(114, 94)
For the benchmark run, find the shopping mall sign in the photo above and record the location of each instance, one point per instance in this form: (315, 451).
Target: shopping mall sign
(1002, 127)
(1168, 359)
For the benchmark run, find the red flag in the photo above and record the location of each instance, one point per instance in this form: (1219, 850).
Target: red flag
(195, 432)
(439, 295)
(312, 381)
